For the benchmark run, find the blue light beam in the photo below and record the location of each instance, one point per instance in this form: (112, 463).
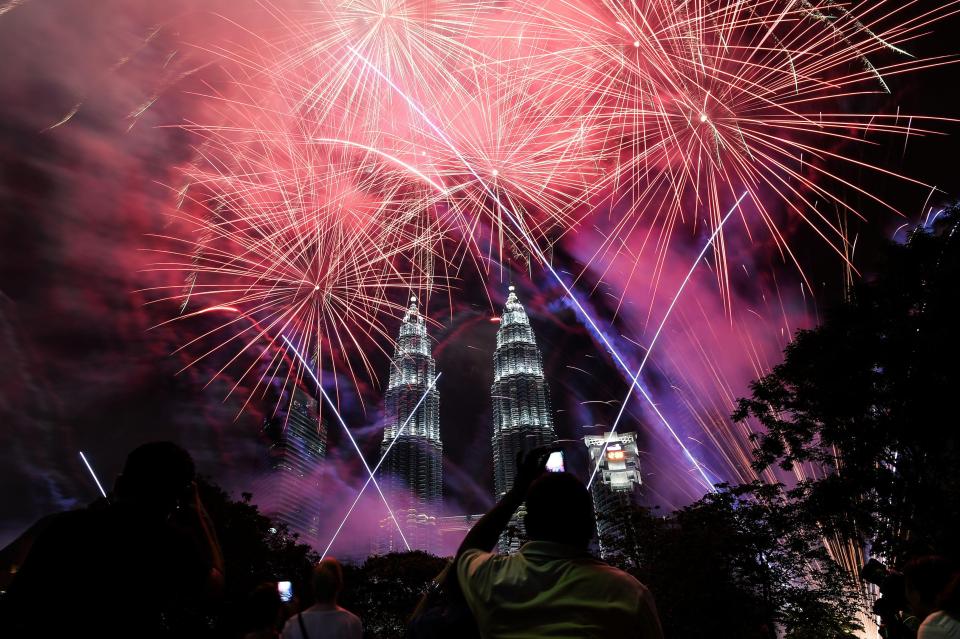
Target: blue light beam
(636, 377)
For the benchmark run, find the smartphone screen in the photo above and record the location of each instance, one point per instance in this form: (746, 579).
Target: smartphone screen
(555, 462)
(285, 588)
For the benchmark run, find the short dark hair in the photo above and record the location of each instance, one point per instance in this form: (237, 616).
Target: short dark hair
(560, 509)
(327, 580)
(157, 473)
(929, 576)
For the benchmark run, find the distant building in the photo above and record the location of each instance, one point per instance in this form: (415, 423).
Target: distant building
(419, 529)
(521, 406)
(614, 490)
(412, 469)
(297, 453)
(451, 530)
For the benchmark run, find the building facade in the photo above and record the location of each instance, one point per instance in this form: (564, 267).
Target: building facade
(413, 466)
(614, 490)
(451, 530)
(297, 453)
(522, 418)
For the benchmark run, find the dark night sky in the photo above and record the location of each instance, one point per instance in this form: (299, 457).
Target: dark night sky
(81, 370)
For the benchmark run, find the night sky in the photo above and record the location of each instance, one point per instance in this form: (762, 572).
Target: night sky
(83, 370)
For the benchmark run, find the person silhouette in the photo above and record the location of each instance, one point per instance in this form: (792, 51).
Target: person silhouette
(140, 565)
(263, 608)
(930, 584)
(324, 619)
(552, 587)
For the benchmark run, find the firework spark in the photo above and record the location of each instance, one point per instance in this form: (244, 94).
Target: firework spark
(304, 235)
(367, 143)
(702, 100)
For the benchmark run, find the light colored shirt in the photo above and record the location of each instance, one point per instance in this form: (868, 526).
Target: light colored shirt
(324, 623)
(554, 591)
(939, 625)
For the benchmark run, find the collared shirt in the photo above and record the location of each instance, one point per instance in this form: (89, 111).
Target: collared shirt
(939, 625)
(554, 591)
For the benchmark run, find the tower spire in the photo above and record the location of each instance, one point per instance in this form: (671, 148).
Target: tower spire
(521, 402)
(413, 311)
(414, 465)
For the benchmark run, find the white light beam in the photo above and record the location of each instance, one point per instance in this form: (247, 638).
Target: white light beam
(636, 377)
(93, 474)
(349, 435)
(379, 463)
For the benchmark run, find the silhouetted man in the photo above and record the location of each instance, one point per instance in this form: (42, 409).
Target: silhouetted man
(552, 587)
(137, 567)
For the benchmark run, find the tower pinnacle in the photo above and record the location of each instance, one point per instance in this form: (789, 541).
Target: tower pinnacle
(413, 467)
(521, 402)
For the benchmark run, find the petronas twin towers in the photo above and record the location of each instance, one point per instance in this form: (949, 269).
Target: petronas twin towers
(411, 439)
(411, 473)
(521, 406)
(412, 450)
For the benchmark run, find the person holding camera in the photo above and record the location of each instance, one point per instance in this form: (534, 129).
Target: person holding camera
(141, 564)
(552, 587)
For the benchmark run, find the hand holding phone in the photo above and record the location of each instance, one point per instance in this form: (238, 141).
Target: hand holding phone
(285, 588)
(555, 462)
(529, 467)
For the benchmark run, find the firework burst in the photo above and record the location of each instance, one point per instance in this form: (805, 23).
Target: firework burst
(420, 44)
(699, 101)
(295, 234)
(373, 140)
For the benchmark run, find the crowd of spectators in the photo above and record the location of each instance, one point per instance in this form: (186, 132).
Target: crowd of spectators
(83, 573)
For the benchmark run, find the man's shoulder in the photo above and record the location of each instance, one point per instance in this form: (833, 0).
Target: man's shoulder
(342, 615)
(473, 553)
(613, 575)
(472, 559)
(71, 519)
(940, 624)
(64, 530)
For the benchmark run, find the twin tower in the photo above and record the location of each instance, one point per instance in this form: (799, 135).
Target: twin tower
(413, 467)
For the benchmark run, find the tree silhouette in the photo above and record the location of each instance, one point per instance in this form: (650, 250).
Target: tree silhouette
(256, 549)
(870, 396)
(740, 563)
(385, 590)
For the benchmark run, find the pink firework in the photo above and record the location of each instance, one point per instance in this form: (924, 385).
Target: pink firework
(361, 134)
(521, 121)
(284, 233)
(703, 100)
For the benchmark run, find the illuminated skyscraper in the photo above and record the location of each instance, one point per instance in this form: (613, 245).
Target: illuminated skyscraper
(521, 405)
(298, 450)
(614, 489)
(412, 470)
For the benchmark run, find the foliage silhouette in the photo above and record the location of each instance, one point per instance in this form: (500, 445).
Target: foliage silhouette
(869, 395)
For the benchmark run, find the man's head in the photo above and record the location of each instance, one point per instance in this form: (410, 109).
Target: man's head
(559, 509)
(327, 581)
(156, 476)
(925, 580)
